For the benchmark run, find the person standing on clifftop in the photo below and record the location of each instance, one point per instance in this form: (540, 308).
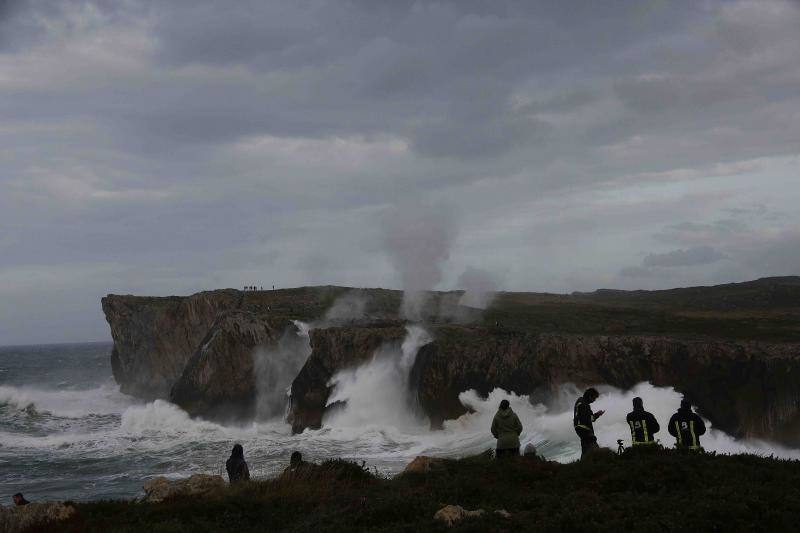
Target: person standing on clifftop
(506, 428)
(686, 426)
(583, 420)
(237, 466)
(643, 424)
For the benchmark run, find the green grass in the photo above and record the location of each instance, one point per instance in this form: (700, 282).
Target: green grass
(765, 309)
(665, 490)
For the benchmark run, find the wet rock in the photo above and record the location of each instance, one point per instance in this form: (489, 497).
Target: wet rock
(219, 381)
(423, 465)
(161, 488)
(333, 349)
(21, 518)
(155, 337)
(746, 388)
(453, 514)
(530, 451)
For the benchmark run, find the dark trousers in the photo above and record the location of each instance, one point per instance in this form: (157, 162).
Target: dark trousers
(507, 452)
(588, 441)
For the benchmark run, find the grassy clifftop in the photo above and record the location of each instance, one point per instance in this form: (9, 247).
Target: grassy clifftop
(667, 490)
(765, 309)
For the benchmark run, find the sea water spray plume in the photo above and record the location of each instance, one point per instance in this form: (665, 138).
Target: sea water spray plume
(377, 393)
(479, 288)
(350, 306)
(549, 426)
(276, 367)
(418, 239)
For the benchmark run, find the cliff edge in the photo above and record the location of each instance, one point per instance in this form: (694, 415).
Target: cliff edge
(734, 349)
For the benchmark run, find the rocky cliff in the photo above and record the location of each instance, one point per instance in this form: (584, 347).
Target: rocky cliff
(748, 389)
(737, 355)
(155, 337)
(218, 381)
(333, 349)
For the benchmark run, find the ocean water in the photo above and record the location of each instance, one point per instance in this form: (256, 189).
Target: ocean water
(66, 432)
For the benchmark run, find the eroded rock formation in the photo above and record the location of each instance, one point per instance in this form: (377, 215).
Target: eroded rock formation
(155, 337)
(201, 348)
(333, 349)
(218, 381)
(748, 389)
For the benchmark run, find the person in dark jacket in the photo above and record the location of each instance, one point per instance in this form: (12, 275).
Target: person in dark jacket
(237, 466)
(506, 428)
(583, 420)
(643, 424)
(19, 499)
(686, 426)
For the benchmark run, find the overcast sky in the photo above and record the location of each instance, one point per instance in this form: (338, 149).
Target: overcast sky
(171, 147)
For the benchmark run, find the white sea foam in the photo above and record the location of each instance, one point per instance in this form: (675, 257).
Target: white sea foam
(127, 441)
(165, 418)
(276, 367)
(68, 403)
(376, 394)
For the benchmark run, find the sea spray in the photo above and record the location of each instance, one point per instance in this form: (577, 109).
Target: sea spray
(65, 402)
(85, 440)
(549, 427)
(418, 238)
(377, 393)
(348, 307)
(275, 368)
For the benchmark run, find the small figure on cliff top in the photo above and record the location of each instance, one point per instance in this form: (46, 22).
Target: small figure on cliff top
(643, 424)
(506, 428)
(583, 420)
(19, 499)
(686, 426)
(237, 466)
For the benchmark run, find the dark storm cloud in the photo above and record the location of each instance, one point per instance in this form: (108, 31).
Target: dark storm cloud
(151, 146)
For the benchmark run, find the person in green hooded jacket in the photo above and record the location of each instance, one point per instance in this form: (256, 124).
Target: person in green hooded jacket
(506, 428)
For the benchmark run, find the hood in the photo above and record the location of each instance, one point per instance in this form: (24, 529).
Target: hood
(505, 413)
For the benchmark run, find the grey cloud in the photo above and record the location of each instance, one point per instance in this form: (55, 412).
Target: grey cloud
(418, 238)
(702, 255)
(173, 146)
(637, 272)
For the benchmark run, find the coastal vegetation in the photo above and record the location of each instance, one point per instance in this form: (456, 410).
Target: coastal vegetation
(647, 490)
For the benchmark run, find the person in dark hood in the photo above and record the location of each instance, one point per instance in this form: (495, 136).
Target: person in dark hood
(237, 466)
(19, 499)
(643, 424)
(299, 468)
(686, 426)
(583, 420)
(506, 428)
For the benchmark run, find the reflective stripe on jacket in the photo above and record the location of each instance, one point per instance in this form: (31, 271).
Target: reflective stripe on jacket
(642, 425)
(687, 427)
(583, 417)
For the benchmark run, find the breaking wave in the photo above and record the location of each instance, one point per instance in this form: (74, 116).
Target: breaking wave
(67, 403)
